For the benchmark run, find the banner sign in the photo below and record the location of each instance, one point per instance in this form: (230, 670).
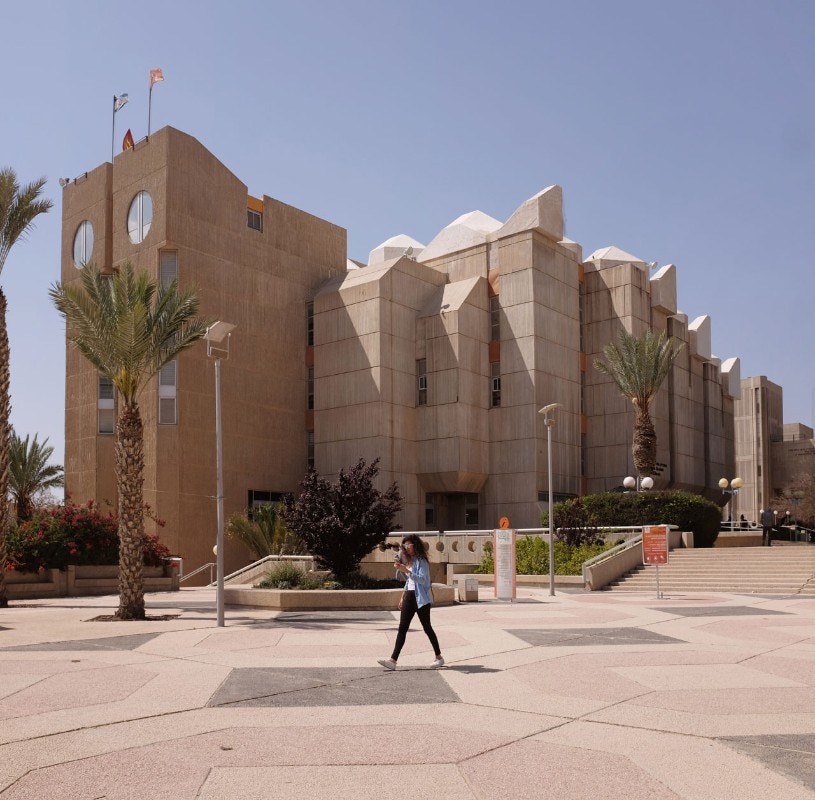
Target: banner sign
(655, 544)
(503, 549)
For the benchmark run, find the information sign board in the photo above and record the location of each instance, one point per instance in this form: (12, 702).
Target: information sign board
(503, 549)
(655, 544)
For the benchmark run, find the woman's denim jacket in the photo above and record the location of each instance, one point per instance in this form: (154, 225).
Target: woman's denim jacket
(420, 572)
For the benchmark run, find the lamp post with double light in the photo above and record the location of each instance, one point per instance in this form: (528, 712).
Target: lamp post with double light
(732, 488)
(549, 420)
(217, 339)
(640, 484)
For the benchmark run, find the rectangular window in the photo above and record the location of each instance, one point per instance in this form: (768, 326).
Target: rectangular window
(254, 219)
(167, 394)
(310, 449)
(471, 510)
(495, 320)
(167, 267)
(310, 324)
(105, 406)
(258, 499)
(430, 511)
(421, 382)
(310, 389)
(495, 384)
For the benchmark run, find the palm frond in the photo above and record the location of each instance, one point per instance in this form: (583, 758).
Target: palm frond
(126, 326)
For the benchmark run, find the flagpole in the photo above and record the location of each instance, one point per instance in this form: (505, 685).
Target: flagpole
(149, 108)
(113, 130)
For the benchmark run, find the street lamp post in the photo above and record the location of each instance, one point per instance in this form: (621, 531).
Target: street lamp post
(549, 420)
(217, 338)
(733, 491)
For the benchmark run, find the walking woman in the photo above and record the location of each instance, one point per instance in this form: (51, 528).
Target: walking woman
(416, 598)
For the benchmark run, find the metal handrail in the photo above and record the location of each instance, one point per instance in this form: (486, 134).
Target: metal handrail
(200, 569)
(618, 548)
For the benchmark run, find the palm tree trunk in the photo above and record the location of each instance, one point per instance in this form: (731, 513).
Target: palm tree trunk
(130, 477)
(644, 448)
(5, 430)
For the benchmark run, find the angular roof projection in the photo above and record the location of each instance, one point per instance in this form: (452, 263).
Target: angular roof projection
(543, 212)
(731, 377)
(613, 257)
(395, 247)
(465, 231)
(449, 297)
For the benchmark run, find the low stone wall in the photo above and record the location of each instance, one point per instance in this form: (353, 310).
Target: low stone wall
(738, 538)
(327, 599)
(79, 581)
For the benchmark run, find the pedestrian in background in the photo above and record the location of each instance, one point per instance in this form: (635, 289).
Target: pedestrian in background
(767, 522)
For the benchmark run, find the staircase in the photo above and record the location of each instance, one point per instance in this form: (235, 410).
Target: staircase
(782, 569)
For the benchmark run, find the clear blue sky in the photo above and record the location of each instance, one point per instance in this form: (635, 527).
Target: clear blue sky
(680, 132)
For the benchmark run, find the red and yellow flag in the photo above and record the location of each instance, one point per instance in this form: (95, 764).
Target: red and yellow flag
(127, 142)
(156, 76)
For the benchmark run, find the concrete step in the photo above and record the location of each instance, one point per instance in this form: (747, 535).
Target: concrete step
(768, 570)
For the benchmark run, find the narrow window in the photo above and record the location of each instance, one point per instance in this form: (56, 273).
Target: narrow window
(310, 324)
(421, 382)
(310, 449)
(495, 320)
(310, 389)
(83, 244)
(471, 510)
(167, 267)
(495, 384)
(254, 219)
(139, 217)
(430, 511)
(106, 406)
(166, 395)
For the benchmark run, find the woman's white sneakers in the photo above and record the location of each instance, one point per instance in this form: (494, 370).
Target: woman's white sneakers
(439, 662)
(388, 663)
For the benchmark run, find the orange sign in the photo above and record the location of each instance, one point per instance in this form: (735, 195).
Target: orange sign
(655, 544)
(503, 523)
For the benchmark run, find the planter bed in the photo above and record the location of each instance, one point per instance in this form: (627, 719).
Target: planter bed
(327, 599)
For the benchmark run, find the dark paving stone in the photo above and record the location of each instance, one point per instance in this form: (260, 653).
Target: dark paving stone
(111, 643)
(720, 611)
(790, 755)
(343, 686)
(581, 637)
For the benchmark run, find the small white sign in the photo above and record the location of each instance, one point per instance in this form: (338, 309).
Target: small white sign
(503, 548)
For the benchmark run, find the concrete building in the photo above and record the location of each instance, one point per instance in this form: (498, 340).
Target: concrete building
(433, 358)
(170, 207)
(770, 454)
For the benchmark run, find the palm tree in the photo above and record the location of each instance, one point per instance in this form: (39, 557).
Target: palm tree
(128, 328)
(638, 366)
(264, 533)
(19, 207)
(30, 473)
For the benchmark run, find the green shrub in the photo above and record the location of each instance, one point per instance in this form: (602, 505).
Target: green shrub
(689, 512)
(286, 575)
(70, 534)
(283, 575)
(532, 557)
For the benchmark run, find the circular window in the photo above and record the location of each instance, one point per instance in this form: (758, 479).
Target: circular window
(83, 244)
(139, 217)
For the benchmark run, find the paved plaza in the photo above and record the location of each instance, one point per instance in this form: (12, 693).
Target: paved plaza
(697, 696)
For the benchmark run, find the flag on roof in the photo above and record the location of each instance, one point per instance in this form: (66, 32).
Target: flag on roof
(119, 102)
(128, 142)
(156, 76)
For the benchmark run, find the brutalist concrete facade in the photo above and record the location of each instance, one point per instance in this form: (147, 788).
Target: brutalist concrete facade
(434, 359)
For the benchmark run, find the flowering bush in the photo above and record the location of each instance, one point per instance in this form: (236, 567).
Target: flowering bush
(56, 537)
